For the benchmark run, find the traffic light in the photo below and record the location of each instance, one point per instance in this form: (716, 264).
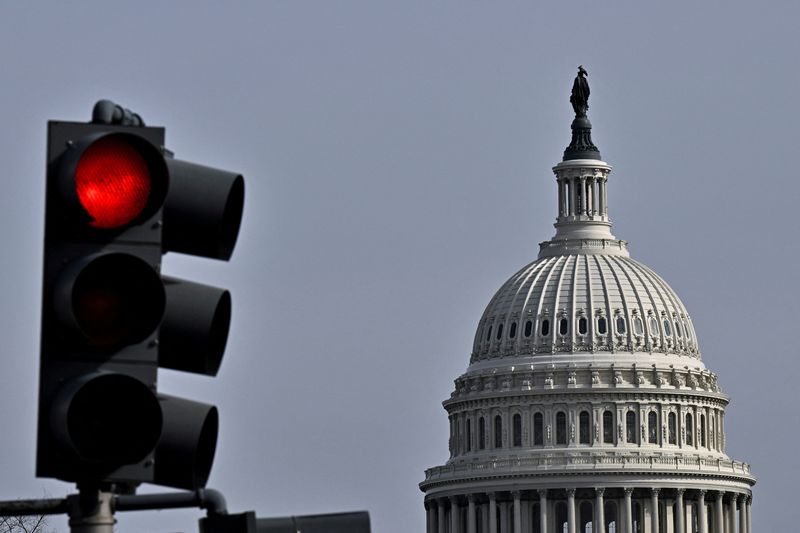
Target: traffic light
(116, 201)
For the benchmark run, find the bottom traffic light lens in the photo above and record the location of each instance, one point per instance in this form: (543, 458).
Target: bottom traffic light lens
(115, 299)
(110, 419)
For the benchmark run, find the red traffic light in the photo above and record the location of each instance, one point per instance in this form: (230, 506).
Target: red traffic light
(113, 183)
(114, 179)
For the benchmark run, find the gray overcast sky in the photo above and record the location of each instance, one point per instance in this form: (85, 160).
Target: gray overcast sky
(397, 158)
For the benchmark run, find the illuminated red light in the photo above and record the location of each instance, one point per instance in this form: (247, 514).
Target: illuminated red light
(113, 183)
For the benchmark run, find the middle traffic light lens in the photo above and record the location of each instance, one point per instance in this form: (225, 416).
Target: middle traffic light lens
(113, 183)
(117, 299)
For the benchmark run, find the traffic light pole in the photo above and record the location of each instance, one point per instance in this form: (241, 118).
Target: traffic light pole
(92, 509)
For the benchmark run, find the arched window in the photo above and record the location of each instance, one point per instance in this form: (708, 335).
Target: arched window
(703, 431)
(481, 433)
(583, 325)
(499, 331)
(538, 429)
(632, 435)
(498, 431)
(672, 428)
(563, 326)
(516, 425)
(545, 327)
(608, 427)
(620, 323)
(489, 334)
(468, 435)
(585, 428)
(512, 331)
(689, 430)
(528, 328)
(652, 428)
(653, 326)
(561, 428)
(667, 328)
(602, 325)
(638, 327)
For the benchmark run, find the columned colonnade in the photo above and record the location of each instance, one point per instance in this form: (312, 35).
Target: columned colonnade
(592, 510)
(582, 195)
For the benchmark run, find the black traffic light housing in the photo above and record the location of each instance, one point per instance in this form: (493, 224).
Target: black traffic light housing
(116, 202)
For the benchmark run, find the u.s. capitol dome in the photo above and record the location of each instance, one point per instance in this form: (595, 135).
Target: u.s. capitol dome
(586, 406)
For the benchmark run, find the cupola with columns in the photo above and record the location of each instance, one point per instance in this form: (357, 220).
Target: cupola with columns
(586, 406)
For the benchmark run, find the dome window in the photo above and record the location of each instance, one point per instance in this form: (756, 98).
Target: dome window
(672, 423)
(620, 325)
(489, 334)
(678, 330)
(583, 325)
(499, 331)
(602, 325)
(638, 327)
(585, 428)
(516, 426)
(653, 326)
(561, 428)
(652, 428)
(538, 429)
(563, 326)
(481, 433)
(498, 432)
(608, 427)
(689, 430)
(703, 431)
(687, 330)
(468, 436)
(512, 331)
(630, 428)
(528, 328)
(545, 327)
(667, 328)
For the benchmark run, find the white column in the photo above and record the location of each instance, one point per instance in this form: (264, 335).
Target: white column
(440, 510)
(742, 515)
(599, 512)
(455, 515)
(572, 525)
(654, 510)
(517, 513)
(680, 514)
(583, 195)
(719, 518)
(543, 510)
(628, 511)
(573, 208)
(471, 524)
(560, 198)
(492, 513)
(732, 514)
(749, 514)
(702, 518)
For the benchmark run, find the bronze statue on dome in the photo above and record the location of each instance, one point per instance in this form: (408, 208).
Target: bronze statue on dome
(580, 93)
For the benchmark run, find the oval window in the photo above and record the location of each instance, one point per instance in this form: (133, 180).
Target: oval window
(653, 326)
(678, 329)
(602, 326)
(499, 331)
(528, 328)
(620, 325)
(545, 327)
(667, 328)
(687, 330)
(582, 325)
(563, 326)
(489, 334)
(638, 327)
(512, 331)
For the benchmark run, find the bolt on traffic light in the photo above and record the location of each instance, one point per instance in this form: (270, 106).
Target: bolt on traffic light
(115, 203)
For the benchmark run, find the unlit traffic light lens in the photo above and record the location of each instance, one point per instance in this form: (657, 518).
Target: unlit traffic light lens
(113, 183)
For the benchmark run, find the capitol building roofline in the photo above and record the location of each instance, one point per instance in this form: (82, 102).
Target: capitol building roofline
(585, 406)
